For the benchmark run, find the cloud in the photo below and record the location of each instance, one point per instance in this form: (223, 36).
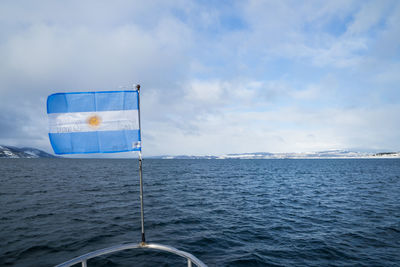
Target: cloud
(284, 130)
(216, 77)
(51, 53)
(370, 14)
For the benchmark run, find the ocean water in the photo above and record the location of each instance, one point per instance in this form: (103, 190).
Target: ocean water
(225, 212)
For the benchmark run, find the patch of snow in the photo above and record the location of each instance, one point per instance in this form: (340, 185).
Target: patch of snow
(9, 154)
(32, 153)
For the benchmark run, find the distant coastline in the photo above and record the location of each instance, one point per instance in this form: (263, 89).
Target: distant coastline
(29, 152)
(23, 152)
(328, 154)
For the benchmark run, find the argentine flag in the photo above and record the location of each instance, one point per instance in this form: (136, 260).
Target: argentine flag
(94, 122)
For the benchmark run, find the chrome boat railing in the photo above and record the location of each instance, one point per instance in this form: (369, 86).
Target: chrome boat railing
(84, 258)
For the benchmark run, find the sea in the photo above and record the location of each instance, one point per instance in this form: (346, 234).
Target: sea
(294, 212)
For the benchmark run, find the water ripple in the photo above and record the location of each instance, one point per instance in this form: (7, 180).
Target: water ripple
(226, 212)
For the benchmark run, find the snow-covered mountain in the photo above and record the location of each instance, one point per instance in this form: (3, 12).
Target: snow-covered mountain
(305, 155)
(29, 152)
(25, 152)
(328, 154)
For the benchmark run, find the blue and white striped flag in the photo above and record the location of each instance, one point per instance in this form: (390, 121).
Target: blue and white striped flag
(94, 122)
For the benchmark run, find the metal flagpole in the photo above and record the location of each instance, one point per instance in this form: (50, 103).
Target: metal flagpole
(140, 170)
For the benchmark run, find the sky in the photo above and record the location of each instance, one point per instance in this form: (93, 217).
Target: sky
(216, 77)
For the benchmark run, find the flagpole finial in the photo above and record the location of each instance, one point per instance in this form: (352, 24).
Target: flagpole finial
(138, 87)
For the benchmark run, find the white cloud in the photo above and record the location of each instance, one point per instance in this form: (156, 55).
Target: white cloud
(216, 78)
(287, 130)
(208, 92)
(368, 16)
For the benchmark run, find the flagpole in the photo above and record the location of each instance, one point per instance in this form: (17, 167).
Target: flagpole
(140, 171)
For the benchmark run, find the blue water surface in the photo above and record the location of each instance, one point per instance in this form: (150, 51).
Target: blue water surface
(225, 212)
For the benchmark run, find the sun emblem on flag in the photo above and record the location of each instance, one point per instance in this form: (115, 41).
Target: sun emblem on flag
(94, 121)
